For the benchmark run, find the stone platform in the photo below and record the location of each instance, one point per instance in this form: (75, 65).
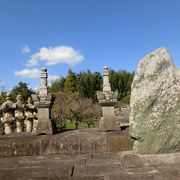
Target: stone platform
(93, 166)
(81, 141)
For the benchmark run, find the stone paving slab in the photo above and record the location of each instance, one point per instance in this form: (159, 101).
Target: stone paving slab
(93, 166)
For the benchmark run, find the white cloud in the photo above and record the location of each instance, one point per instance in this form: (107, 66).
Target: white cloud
(56, 55)
(25, 49)
(33, 73)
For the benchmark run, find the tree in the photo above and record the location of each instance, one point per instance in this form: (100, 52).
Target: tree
(124, 83)
(60, 109)
(121, 81)
(92, 113)
(76, 108)
(97, 84)
(81, 109)
(2, 97)
(57, 85)
(70, 83)
(21, 89)
(113, 79)
(88, 83)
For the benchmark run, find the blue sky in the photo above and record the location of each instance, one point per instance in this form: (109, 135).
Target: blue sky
(81, 35)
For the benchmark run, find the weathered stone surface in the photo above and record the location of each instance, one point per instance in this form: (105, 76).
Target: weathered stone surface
(122, 114)
(30, 114)
(71, 142)
(109, 124)
(103, 166)
(44, 126)
(8, 111)
(155, 105)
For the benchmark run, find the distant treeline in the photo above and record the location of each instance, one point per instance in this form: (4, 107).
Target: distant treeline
(88, 83)
(85, 83)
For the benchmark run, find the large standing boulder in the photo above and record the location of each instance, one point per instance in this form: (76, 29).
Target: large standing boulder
(155, 105)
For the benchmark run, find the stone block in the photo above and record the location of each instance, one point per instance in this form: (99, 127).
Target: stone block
(44, 126)
(43, 113)
(108, 124)
(108, 111)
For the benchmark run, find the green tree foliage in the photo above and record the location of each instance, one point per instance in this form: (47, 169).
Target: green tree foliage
(2, 97)
(2, 93)
(21, 89)
(57, 85)
(70, 83)
(121, 81)
(88, 83)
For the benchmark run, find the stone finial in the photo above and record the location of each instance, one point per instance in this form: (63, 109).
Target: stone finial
(106, 84)
(43, 82)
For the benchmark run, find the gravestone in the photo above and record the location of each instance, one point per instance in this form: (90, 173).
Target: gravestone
(43, 102)
(155, 105)
(107, 100)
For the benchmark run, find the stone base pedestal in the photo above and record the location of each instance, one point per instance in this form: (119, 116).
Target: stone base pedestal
(109, 124)
(44, 126)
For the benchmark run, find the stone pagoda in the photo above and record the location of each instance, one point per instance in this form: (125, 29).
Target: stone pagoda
(43, 102)
(107, 100)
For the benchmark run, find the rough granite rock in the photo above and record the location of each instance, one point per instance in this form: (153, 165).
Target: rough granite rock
(155, 105)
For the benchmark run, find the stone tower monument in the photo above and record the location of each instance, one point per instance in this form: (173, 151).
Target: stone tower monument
(43, 103)
(107, 100)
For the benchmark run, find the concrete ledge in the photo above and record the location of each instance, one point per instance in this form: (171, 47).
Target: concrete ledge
(81, 141)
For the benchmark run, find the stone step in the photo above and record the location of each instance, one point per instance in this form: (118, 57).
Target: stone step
(81, 141)
(101, 166)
